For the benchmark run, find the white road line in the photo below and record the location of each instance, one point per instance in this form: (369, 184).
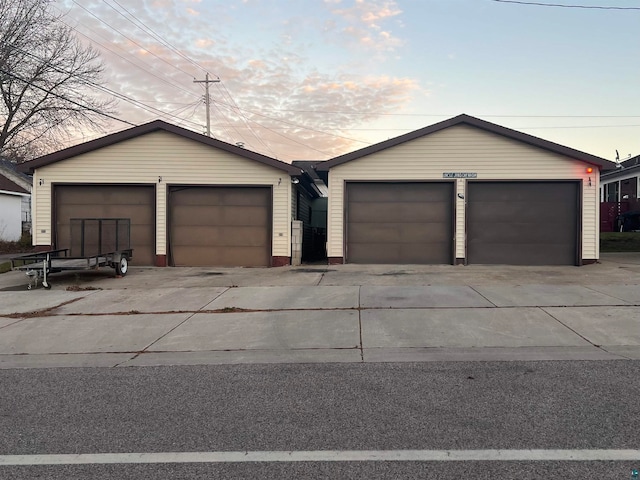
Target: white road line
(326, 456)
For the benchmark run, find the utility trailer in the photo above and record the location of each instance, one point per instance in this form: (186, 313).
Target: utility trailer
(95, 243)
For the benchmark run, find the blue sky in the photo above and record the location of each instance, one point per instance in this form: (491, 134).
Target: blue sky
(311, 79)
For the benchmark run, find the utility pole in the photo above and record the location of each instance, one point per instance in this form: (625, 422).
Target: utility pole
(207, 98)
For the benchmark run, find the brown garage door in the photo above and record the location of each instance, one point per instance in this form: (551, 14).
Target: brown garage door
(109, 201)
(400, 223)
(220, 226)
(522, 223)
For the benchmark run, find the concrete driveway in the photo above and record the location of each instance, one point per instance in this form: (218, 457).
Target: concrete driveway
(319, 313)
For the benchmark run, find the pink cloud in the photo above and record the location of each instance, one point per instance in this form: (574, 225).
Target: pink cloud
(204, 42)
(288, 109)
(363, 24)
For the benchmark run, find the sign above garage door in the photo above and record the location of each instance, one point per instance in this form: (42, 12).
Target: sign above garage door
(459, 175)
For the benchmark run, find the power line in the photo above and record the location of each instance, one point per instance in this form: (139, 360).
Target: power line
(156, 36)
(145, 28)
(130, 39)
(139, 104)
(438, 115)
(591, 7)
(302, 127)
(149, 31)
(93, 40)
(242, 116)
(409, 129)
(139, 24)
(135, 64)
(113, 93)
(308, 128)
(578, 126)
(49, 92)
(135, 102)
(295, 125)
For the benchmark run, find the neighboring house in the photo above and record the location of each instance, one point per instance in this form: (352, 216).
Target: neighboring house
(310, 207)
(192, 200)
(15, 202)
(619, 192)
(464, 191)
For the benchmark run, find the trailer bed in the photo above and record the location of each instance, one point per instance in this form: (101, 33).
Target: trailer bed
(38, 266)
(96, 242)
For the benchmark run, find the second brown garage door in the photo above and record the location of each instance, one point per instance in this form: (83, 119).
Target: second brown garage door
(522, 223)
(400, 223)
(109, 201)
(220, 226)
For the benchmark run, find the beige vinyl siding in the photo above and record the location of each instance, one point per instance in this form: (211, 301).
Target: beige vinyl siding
(178, 161)
(463, 148)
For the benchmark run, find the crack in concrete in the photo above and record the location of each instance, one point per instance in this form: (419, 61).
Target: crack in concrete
(612, 296)
(615, 353)
(576, 332)
(49, 311)
(215, 298)
(162, 336)
(472, 288)
(45, 312)
(12, 323)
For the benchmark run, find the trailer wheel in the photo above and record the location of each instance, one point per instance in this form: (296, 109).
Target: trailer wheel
(46, 285)
(122, 267)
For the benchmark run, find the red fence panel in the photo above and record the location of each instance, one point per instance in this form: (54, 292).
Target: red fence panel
(609, 211)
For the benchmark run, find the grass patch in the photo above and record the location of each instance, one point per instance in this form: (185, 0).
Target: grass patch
(620, 242)
(21, 246)
(14, 248)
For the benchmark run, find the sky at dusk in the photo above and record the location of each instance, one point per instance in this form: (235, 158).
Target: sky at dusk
(312, 79)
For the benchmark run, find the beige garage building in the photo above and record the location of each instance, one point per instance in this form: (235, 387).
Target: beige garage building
(192, 200)
(464, 191)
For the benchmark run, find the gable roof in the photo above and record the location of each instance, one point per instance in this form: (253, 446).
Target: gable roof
(10, 170)
(474, 122)
(623, 168)
(10, 186)
(156, 125)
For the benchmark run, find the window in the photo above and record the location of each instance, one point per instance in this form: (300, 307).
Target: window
(611, 192)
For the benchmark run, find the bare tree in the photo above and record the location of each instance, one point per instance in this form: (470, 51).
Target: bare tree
(48, 80)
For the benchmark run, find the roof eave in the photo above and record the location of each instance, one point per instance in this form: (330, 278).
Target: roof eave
(620, 171)
(16, 194)
(474, 122)
(108, 140)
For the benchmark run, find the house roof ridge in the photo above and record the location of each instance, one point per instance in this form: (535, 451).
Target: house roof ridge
(464, 119)
(153, 126)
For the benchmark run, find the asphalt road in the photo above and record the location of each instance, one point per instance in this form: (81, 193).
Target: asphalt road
(311, 407)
